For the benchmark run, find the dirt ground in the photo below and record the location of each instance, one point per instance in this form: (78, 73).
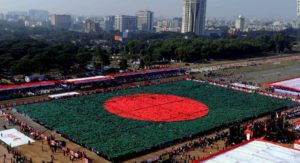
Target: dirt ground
(258, 74)
(268, 73)
(3, 151)
(39, 151)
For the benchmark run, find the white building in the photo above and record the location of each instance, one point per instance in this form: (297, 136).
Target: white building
(145, 20)
(298, 7)
(176, 23)
(2, 16)
(194, 14)
(91, 26)
(125, 22)
(38, 15)
(168, 25)
(109, 23)
(240, 23)
(61, 21)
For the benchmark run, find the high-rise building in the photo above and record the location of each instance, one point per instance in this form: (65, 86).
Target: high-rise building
(298, 7)
(168, 25)
(125, 22)
(16, 15)
(2, 16)
(240, 23)
(91, 26)
(145, 20)
(194, 14)
(61, 21)
(38, 15)
(109, 23)
(176, 24)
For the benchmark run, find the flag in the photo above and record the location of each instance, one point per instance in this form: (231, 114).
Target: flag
(118, 38)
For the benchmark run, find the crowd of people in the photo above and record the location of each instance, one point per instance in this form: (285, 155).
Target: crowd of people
(28, 92)
(148, 76)
(17, 157)
(265, 92)
(54, 144)
(258, 129)
(98, 90)
(180, 153)
(63, 87)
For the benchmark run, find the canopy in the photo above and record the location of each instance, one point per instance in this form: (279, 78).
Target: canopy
(79, 80)
(254, 152)
(146, 72)
(87, 80)
(290, 84)
(297, 144)
(57, 96)
(251, 87)
(14, 138)
(27, 85)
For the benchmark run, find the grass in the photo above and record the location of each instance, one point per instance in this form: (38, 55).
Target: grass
(261, 73)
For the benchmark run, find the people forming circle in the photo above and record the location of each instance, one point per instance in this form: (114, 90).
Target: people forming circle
(156, 107)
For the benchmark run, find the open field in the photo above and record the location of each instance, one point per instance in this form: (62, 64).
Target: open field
(85, 121)
(267, 73)
(259, 74)
(223, 62)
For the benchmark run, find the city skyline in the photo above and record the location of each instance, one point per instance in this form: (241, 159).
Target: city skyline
(215, 8)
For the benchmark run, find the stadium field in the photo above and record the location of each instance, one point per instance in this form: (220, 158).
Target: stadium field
(122, 123)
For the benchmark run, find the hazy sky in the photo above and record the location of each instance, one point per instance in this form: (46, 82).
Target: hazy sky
(166, 8)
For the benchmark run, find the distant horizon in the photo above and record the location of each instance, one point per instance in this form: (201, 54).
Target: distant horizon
(267, 9)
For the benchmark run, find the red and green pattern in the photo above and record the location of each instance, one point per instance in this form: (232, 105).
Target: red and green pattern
(156, 107)
(86, 121)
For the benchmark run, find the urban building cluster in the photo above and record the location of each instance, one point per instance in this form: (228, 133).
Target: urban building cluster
(193, 20)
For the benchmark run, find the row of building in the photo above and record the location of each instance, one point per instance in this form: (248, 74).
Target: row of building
(193, 20)
(142, 21)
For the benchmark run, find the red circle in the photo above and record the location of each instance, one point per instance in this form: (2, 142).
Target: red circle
(156, 107)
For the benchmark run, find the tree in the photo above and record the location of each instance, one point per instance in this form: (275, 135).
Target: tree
(281, 41)
(101, 57)
(22, 66)
(147, 60)
(83, 58)
(142, 64)
(123, 64)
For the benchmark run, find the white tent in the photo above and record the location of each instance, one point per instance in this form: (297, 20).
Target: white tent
(257, 152)
(14, 138)
(297, 144)
(61, 95)
(251, 87)
(290, 83)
